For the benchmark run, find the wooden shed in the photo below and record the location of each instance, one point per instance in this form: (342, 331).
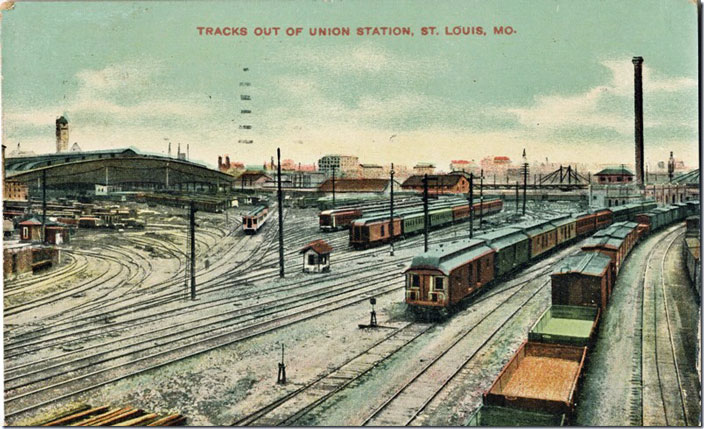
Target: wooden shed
(30, 230)
(316, 257)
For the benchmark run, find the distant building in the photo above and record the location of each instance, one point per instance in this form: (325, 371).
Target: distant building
(614, 175)
(297, 179)
(424, 168)
(343, 165)
(463, 165)
(251, 180)
(371, 171)
(372, 186)
(106, 189)
(61, 134)
(19, 152)
(76, 147)
(438, 184)
(14, 191)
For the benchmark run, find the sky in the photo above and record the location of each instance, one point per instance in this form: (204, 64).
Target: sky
(140, 74)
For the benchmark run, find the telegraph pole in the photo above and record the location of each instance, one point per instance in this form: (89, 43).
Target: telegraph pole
(333, 187)
(481, 198)
(517, 196)
(425, 209)
(471, 205)
(192, 231)
(525, 185)
(281, 213)
(43, 205)
(391, 225)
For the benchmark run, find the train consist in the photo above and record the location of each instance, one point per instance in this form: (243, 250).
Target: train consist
(539, 384)
(690, 250)
(437, 280)
(342, 217)
(253, 220)
(374, 230)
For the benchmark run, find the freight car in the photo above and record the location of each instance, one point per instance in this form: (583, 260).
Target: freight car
(253, 220)
(540, 377)
(333, 220)
(90, 222)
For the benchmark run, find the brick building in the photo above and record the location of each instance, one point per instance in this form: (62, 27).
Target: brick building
(438, 184)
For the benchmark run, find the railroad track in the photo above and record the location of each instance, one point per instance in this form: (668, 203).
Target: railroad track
(661, 403)
(31, 399)
(292, 407)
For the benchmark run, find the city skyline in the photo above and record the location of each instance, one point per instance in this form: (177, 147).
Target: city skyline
(411, 99)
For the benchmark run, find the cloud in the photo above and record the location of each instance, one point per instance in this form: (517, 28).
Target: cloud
(603, 106)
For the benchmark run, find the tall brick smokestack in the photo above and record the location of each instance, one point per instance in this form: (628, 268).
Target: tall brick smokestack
(638, 97)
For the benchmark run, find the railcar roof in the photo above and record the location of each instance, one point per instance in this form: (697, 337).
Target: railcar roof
(447, 257)
(502, 238)
(563, 221)
(255, 211)
(535, 227)
(586, 263)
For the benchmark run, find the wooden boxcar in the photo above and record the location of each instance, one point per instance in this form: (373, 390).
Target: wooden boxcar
(621, 213)
(446, 274)
(582, 279)
(566, 229)
(586, 223)
(373, 230)
(542, 234)
(332, 220)
(512, 249)
(566, 324)
(495, 416)
(609, 246)
(603, 219)
(540, 377)
(692, 223)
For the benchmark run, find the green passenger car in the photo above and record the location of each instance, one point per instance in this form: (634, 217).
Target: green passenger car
(512, 249)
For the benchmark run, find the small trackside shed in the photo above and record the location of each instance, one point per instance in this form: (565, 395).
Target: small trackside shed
(512, 249)
(316, 257)
(583, 279)
(30, 230)
(447, 273)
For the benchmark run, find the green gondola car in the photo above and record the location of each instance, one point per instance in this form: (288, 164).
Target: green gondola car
(512, 249)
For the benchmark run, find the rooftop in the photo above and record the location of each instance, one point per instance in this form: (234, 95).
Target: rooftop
(586, 263)
(433, 180)
(355, 185)
(614, 171)
(447, 257)
(318, 246)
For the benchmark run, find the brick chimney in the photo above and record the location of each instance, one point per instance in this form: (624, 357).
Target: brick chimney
(638, 97)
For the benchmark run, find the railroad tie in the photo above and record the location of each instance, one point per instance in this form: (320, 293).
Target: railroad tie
(172, 420)
(73, 416)
(139, 421)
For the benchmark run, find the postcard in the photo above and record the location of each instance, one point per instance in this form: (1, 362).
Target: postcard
(351, 213)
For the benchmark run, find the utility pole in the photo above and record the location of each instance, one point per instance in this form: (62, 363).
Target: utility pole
(525, 179)
(43, 205)
(391, 225)
(281, 214)
(517, 199)
(481, 197)
(192, 232)
(333, 187)
(471, 205)
(425, 210)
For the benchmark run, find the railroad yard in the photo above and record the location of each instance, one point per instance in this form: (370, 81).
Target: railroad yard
(113, 323)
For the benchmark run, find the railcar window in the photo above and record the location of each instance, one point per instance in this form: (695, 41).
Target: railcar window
(439, 283)
(382, 230)
(415, 280)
